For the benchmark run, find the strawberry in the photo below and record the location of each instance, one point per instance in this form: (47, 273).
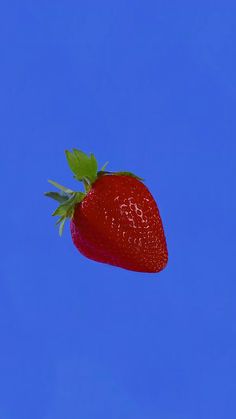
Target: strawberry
(115, 221)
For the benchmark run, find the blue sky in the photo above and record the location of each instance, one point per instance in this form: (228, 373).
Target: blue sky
(151, 87)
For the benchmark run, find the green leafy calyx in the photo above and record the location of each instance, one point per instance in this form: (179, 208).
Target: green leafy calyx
(83, 166)
(85, 170)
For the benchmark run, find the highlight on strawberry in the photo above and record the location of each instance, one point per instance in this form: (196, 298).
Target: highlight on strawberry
(115, 220)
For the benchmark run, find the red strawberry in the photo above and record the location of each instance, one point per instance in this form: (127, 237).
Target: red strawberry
(116, 221)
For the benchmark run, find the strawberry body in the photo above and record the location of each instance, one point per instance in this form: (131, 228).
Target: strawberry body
(115, 220)
(118, 223)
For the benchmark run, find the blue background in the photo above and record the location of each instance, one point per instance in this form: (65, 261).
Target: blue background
(151, 87)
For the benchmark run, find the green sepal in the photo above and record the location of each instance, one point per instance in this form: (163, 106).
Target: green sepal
(60, 187)
(61, 226)
(68, 200)
(72, 161)
(57, 196)
(101, 173)
(104, 166)
(66, 209)
(83, 166)
(129, 174)
(61, 223)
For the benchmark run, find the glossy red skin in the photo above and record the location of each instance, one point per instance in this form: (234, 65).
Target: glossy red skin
(118, 223)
